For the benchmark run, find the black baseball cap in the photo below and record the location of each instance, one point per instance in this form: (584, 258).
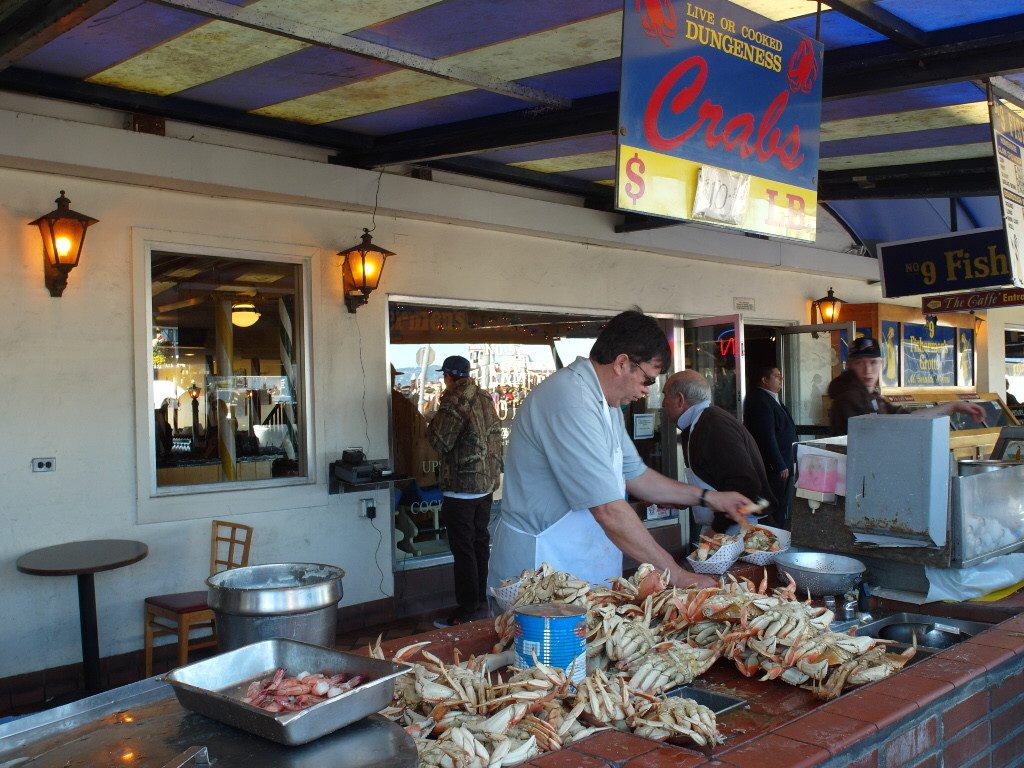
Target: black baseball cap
(456, 365)
(864, 347)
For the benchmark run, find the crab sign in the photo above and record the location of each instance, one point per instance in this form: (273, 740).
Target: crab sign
(802, 70)
(658, 19)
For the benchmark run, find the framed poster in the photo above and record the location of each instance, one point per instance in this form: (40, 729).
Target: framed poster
(965, 357)
(929, 355)
(643, 426)
(890, 345)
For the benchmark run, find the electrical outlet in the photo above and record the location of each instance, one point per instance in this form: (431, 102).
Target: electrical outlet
(366, 506)
(46, 464)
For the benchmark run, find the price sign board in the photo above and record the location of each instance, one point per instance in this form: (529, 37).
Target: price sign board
(1006, 107)
(719, 117)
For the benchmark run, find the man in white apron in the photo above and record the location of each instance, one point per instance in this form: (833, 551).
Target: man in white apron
(718, 450)
(570, 462)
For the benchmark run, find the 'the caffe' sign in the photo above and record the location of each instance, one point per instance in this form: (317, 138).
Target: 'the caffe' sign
(956, 262)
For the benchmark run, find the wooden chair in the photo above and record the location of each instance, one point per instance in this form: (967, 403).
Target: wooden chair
(180, 613)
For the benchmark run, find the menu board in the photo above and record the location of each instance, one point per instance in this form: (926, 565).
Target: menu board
(1006, 103)
(929, 355)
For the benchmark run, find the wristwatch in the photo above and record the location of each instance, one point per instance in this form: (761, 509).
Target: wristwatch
(703, 498)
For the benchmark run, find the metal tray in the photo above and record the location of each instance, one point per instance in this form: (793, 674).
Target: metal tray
(718, 703)
(214, 687)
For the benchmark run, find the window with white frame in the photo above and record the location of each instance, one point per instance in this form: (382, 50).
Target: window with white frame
(227, 368)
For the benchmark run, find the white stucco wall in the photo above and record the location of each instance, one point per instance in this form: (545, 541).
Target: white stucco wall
(67, 364)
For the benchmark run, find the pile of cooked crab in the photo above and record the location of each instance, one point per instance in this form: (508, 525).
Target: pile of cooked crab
(644, 638)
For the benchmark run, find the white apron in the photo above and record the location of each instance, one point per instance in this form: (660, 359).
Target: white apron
(576, 543)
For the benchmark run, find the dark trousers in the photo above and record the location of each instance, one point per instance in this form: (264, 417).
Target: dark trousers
(466, 521)
(782, 490)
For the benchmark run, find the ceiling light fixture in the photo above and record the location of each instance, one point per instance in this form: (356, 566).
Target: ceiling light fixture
(244, 314)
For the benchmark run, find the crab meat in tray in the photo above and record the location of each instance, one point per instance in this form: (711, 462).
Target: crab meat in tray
(758, 539)
(709, 545)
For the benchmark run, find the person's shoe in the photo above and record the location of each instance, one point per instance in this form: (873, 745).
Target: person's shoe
(452, 621)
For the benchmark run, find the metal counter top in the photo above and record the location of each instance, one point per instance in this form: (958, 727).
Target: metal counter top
(142, 726)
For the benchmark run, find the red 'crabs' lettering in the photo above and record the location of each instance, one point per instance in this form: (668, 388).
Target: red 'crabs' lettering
(734, 134)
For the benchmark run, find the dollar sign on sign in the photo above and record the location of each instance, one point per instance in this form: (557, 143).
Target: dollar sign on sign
(634, 172)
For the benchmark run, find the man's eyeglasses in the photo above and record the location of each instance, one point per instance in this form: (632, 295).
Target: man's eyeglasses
(649, 381)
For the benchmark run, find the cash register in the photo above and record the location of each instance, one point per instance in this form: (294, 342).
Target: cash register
(355, 469)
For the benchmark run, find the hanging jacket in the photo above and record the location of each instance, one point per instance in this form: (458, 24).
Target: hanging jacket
(466, 434)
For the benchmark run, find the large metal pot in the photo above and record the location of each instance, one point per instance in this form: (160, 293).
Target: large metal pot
(292, 600)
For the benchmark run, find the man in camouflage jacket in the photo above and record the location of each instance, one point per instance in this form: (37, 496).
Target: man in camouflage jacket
(466, 434)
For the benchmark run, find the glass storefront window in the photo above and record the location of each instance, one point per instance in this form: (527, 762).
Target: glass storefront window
(510, 352)
(228, 401)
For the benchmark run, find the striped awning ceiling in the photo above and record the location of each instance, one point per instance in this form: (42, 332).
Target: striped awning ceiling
(520, 90)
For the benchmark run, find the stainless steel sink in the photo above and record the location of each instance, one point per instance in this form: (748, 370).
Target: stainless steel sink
(930, 631)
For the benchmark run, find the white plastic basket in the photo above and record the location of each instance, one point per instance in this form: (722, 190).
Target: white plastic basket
(719, 562)
(766, 558)
(506, 596)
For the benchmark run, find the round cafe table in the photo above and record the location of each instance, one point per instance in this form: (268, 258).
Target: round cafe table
(83, 559)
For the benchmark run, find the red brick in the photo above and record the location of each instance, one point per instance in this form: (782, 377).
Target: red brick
(955, 672)
(1008, 753)
(1008, 689)
(782, 699)
(1008, 719)
(774, 751)
(615, 745)
(869, 760)
(928, 762)
(910, 686)
(961, 715)
(1011, 641)
(971, 652)
(960, 750)
(985, 761)
(568, 758)
(902, 748)
(667, 757)
(1016, 624)
(883, 711)
(828, 730)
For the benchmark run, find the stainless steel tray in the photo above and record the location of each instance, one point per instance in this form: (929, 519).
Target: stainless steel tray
(214, 687)
(719, 703)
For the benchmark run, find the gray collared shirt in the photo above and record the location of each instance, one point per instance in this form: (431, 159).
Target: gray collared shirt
(559, 455)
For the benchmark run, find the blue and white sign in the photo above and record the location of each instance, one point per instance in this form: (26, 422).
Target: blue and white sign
(929, 355)
(960, 261)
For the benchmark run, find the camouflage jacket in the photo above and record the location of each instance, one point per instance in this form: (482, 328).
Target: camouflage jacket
(466, 434)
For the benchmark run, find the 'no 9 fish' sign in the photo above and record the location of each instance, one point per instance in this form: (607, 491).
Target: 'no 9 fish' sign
(723, 107)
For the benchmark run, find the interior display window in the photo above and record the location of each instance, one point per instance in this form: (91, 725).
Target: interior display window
(227, 360)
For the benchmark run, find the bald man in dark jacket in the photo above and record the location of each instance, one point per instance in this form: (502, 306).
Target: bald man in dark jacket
(717, 447)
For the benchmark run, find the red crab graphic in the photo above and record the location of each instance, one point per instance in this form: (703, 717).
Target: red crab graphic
(803, 68)
(659, 19)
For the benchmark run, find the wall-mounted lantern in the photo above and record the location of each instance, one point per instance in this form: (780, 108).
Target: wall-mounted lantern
(828, 308)
(361, 269)
(63, 233)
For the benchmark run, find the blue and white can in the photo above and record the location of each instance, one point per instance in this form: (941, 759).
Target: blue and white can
(554, 633)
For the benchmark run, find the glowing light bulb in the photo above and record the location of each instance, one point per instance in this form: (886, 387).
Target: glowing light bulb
(368, 270)
(63, 246)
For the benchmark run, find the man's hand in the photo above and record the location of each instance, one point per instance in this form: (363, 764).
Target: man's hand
(682, 578)
(971, 409)
(730, 503)
(784, 474)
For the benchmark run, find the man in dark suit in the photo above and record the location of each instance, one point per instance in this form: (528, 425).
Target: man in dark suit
(771, 424)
